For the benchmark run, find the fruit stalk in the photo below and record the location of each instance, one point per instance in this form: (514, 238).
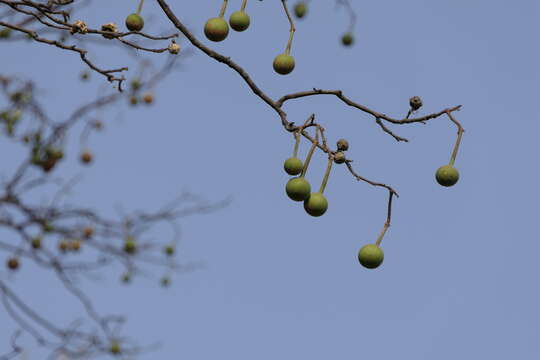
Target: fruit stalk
(456, 146)
(139, 8)
(326, 175)
(223, 8)
(388, 218)
(310, 154)
(379, 239)
(292, 28)
(296, 144)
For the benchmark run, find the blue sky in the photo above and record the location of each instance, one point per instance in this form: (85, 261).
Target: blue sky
(460, 265)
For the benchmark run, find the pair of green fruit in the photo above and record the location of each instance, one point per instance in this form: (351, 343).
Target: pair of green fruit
(217, 29)
(299, 189)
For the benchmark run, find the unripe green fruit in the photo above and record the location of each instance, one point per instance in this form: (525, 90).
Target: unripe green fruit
(284, 64)
(342, 145)
(293, 166)
(216, 29)
(239, 20)
(165, 281)
(447, 175)
(339, 157)
(130, 247)
(115, 348)
(134, 22)
(347, 39)
(370, 256)
(36, 242)
(300, 10)
(298, 189)
(169, 250)
(316, 204)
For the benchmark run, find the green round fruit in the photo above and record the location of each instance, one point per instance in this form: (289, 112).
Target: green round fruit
(216, 29)
(134, 22)
(169, 250)
(316, 204)
(36, 242)
(284, 64)
(339, 157)
(370, 256)
(298, 189)
(130, 247)
(165, 281)
(239, 21)
(126, 278)
(293, 166)
(115, 348)
(347, 39)
(300, 9)
(447, 175)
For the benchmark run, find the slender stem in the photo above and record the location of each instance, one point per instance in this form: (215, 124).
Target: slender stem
(292, 29)
(458, 140)
(326, 174)
(310, 154)
(243, 7)
(223, 8)
(139, 8)
(388, 218)
(297, 142)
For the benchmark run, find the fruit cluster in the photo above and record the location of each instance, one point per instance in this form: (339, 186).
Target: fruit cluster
(217, 29)
(299, 189)
(300, 11)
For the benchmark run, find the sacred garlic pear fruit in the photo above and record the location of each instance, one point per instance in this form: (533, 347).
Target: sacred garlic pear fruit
(169, 250)
(148, 98)
(300, 9)
(36, 242)
(298, 189)
(74, 245)
(447, 175)
(88, 232)
(216, 29)
(134, 22)
(13, 263)
(165, 281)
(316, 204)
(130, 246)
(115, 348)
(415, 102)
(342, 145)
(63, 245)
(339, 157)
(347, 39)
(370, 256)
(283, 64)
(126, 278)
(239, 20)
(293, 166)
(86, 157)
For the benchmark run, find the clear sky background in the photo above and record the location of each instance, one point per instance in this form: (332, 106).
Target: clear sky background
(460, 276)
